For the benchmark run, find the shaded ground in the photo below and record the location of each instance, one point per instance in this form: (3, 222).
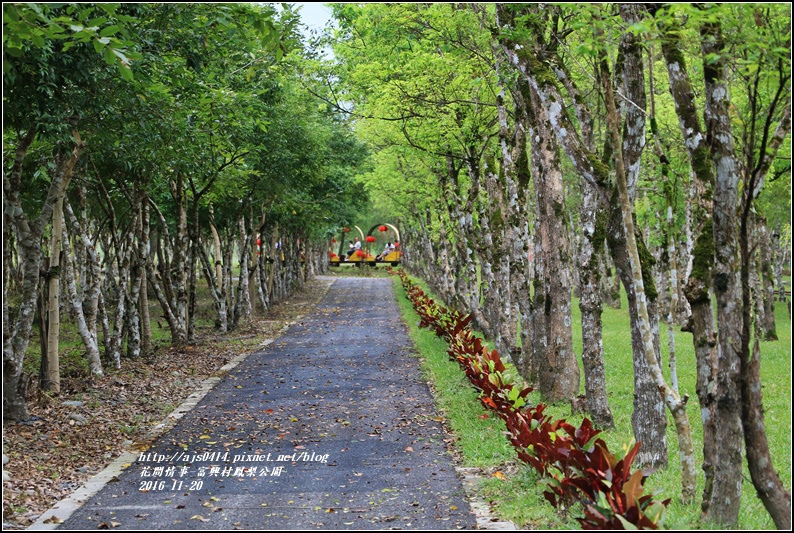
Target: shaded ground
(329, 427)
(53, 454)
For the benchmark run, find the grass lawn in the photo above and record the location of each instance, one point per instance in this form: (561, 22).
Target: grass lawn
(516, 490)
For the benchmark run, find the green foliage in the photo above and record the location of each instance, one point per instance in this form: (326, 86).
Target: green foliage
(105, 26)
(212, 101)
(421, 82)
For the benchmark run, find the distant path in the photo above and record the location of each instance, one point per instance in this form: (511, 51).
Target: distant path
(330, 427)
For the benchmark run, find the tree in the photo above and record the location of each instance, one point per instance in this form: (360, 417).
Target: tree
(217, 124)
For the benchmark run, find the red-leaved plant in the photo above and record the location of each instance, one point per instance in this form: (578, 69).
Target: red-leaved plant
(576, 462)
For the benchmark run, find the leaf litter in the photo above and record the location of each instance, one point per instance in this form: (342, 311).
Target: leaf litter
(50, 458)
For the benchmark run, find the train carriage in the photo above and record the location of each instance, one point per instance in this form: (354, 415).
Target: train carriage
(368, 254)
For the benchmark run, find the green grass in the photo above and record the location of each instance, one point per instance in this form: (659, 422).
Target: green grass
(480, 440)
(519, 498)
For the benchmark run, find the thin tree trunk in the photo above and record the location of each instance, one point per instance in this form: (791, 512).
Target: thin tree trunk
(779, 261)
(274, 255)
(671, 259)
(242, 305)
(53, 381)
(41, 308)
(768, 326)
(216, 243)
(89, 338)
(767, 483)
(675, 404)
(173, 302)
(90, 289)
(671, 255)
(137, 275)
(217, 292)
(143, 255)
(123, 259)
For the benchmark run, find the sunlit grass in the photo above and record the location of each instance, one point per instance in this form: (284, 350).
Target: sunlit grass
(479, 435)
(520, 497)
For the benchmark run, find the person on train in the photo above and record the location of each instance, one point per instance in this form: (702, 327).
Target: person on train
(386, 251)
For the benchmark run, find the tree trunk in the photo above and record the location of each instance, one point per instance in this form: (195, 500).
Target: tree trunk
(671, 262)
(276, 261)
(648, 418)
(171, 292)
(217, 292)
(779, 262)
(43, 319)
(29, 236)
(123, 259)
(498, 298)
(673, 268)
(143, 254)
(592, 219)
(90, 289)
(89, 338)
(558, 371)
(467, 235)
(137, 274)
(242, 306)
(516, 169)
(53, 380)
(675, 404)
(768, 326)
(697, 289)
(216, 246)
(767, 483)
(727, 489)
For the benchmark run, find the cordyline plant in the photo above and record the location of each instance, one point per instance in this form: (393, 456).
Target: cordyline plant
(577, 464)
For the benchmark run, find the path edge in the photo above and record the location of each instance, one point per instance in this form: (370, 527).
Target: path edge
(61, 511)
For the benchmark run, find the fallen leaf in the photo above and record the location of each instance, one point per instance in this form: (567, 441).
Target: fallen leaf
(499, 475)
(54, 520)
(409, 449)
(199, 517)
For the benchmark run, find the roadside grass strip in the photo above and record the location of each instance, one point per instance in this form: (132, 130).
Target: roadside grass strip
(575, 463)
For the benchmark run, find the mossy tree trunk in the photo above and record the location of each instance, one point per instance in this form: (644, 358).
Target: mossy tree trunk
(592, 218)
(498, 301)
(516, 171)
(727, 489)
(698, 285)
(553, 359)
(675, 404)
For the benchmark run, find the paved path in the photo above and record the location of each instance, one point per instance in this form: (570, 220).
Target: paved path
(330, 427)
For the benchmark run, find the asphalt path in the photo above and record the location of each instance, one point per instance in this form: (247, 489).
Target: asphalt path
(329, 427)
